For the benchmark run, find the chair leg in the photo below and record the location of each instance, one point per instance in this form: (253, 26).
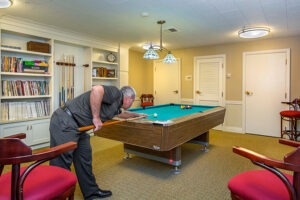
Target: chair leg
(291, 133)
(297, 133)
(235, 197)
(71, 197)
(281, 133)
(288, 133)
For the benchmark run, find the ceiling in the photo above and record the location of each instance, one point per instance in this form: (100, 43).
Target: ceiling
(199, 22)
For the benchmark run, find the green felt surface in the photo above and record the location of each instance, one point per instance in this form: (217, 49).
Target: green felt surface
(169, 111)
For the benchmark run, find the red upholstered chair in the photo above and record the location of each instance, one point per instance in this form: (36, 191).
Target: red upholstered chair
(34, 181)
(292, 117)
(147, 100)
(271, 183)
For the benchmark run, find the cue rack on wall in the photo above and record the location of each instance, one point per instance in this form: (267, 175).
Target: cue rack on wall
(66, 79)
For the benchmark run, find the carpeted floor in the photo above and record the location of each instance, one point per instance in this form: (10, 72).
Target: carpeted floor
(204, 175)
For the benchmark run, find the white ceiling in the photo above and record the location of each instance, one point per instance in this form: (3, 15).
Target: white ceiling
(199, 22)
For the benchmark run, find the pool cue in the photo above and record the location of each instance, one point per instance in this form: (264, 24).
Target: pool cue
(60, 86)
(86, 128)
(68, 78)
(63, 85)
(73, 69)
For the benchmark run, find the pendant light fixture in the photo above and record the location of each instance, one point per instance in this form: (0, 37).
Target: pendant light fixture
(151, 52)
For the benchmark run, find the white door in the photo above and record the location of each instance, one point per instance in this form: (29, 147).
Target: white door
(209, 81)
(166, 82)
(266, 83)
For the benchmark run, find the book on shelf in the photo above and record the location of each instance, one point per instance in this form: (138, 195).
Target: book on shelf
(39, 71)
(24, 110)
(10, 47)
(36, 66)
(24, 88)
(111, 73)
(11, 64)
(104, 72)
(14, 64)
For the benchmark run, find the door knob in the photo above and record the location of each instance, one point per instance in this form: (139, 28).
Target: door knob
(198, 92)
(248, 93)
(175, 91)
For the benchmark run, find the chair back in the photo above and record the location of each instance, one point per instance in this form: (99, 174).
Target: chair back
(33, 180)
(278, 183)
(12, 147)
(147, 100)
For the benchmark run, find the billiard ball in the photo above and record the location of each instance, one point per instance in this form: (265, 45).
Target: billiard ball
(155, 115)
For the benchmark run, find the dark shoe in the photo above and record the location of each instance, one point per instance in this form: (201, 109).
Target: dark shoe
(100, 194)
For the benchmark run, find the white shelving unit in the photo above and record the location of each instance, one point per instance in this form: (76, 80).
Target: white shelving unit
(103, 71)
(26, 98)
(88, 53)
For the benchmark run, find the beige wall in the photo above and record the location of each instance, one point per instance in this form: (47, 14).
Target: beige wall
(141, 75)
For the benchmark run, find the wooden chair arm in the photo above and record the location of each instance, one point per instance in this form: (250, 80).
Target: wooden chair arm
(256, 157)
(19, 135)
(45, 155)
(293, 157)
(289, 142)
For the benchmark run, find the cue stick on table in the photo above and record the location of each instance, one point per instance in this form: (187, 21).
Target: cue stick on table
(86, 128)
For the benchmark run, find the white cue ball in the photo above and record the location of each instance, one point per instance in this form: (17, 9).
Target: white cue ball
(155, 115)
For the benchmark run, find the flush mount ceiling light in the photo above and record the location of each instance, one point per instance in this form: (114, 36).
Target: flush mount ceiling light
(152, 48)
(254, 32)
(5, 3)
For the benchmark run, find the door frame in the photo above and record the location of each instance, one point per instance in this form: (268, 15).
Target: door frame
(287, 76)
(223, 81)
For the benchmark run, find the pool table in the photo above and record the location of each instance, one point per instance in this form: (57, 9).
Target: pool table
(160, 136)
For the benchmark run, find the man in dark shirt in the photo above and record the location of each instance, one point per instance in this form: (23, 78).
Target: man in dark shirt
(95, 107)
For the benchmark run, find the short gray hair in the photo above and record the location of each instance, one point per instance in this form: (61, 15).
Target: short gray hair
(128, 91)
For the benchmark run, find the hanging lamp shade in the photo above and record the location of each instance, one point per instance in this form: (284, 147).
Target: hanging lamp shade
(169, 58)
(151, 54)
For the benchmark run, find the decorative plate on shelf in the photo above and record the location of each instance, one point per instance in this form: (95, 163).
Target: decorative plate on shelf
(111, 57)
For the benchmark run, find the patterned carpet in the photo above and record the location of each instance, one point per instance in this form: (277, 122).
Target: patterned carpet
(204, 175)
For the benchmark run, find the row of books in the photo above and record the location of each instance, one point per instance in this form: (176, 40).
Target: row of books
(24, 88)
(14, 64)
(104, 72)
(24, 110)
(11, 64)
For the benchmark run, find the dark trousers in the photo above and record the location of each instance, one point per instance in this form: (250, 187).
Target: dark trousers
(63, 128)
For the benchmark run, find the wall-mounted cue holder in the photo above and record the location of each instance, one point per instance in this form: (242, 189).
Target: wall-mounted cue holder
(66, 64)
(66, 79)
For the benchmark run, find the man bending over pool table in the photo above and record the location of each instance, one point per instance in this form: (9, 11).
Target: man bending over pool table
(96, 106)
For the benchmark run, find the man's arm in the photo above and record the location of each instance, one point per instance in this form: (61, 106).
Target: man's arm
(96, 97)
(127, 114)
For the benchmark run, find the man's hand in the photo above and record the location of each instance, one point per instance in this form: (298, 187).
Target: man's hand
(97, 123)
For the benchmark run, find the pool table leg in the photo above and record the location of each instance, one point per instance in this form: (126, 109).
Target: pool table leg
(172, 157)
(176, 170)
(127, 157)
(202, 139)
